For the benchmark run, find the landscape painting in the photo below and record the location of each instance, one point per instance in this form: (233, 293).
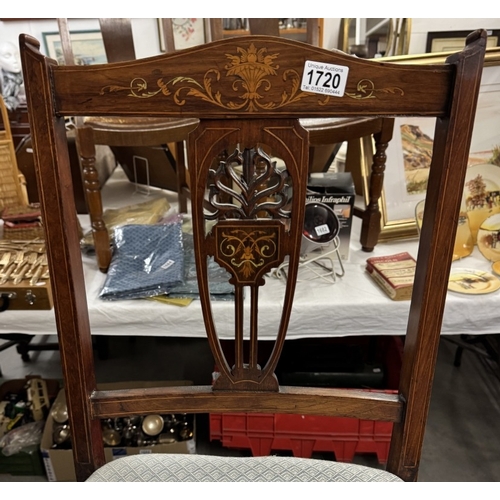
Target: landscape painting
(410, 150)
(417, 155)
(88, 47)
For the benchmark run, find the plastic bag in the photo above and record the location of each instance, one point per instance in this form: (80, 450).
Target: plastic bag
(21, 437)
(149, 212)
(147, 261)
(218, 277)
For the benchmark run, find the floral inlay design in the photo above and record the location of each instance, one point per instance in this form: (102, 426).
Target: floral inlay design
(255, 69)
(365, 89)
(251, 66)
(248, 250)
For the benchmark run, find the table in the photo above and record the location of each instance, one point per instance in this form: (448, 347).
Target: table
(354, 305)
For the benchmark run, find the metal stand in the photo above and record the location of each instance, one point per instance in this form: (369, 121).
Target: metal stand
(317, 264)
(139, 188)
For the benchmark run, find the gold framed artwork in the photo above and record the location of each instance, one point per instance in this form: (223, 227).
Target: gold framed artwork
(392, 34)
(88, 47)
(409, 152)
(453, 41)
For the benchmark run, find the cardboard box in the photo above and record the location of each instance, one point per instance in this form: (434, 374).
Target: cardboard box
(25, 296)
(336, 191)
(59, 464)
(28, 462)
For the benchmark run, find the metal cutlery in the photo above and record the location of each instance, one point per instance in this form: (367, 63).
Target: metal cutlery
(39, 270)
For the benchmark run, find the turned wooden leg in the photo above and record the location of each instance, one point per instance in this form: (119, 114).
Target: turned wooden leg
(371, 227)
(92, 191)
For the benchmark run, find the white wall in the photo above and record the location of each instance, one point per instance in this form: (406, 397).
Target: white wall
(331, 28)
(147, 42)
(145, 32)
(420, 28)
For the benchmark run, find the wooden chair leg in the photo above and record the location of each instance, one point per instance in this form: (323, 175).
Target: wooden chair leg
(370, 228)
(92, 191)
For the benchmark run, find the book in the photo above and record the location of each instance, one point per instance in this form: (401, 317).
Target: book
(394, 274)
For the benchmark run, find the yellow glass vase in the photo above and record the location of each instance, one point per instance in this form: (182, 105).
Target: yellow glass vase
(464, 241)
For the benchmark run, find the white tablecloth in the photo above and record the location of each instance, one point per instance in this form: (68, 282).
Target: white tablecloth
(354, 305)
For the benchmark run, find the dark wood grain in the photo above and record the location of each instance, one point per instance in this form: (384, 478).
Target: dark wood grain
(267, 26)
(243, 116)
(201, 399)
(64, 261)
(117, 38)
(373, 88)
(449, 163)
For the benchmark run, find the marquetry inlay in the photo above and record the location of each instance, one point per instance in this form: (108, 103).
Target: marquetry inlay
(252, 73)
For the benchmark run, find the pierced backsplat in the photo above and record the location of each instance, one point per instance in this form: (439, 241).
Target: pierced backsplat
(248, 185)
(255, 223)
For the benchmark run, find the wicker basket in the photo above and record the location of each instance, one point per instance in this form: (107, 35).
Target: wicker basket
(12, 183)
(22, 222)
(24, 232)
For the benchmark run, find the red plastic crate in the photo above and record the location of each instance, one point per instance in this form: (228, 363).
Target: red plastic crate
(303, 435)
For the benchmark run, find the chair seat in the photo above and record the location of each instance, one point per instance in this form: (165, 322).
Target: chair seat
(314, 123)
(177, 128)
(331, 129)
(159, 467)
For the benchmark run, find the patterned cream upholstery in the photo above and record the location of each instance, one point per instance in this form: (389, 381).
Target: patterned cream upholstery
(202, 468)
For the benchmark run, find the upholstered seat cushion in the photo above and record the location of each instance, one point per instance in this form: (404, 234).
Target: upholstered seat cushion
(202, 468)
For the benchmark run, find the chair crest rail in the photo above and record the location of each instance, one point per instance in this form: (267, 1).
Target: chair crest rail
(249, 76)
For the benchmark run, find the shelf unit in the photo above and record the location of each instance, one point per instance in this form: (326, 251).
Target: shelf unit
(299, 34)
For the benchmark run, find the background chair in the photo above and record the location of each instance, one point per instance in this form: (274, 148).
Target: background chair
(164, 138)
(256, 232)
(326, 136)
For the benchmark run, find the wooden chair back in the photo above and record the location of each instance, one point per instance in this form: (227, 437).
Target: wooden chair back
(326, 137)
(117, 38)
(148, 135)
(248, 213)
(212, 30)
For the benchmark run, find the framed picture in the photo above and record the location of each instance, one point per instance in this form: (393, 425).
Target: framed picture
(453, 41)
(187, 32)
(409, 153)
(88, 47)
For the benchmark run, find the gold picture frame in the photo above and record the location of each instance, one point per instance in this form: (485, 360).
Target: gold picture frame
(448, 41)
(398, 221)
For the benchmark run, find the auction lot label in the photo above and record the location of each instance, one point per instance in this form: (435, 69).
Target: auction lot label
(324, 78)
